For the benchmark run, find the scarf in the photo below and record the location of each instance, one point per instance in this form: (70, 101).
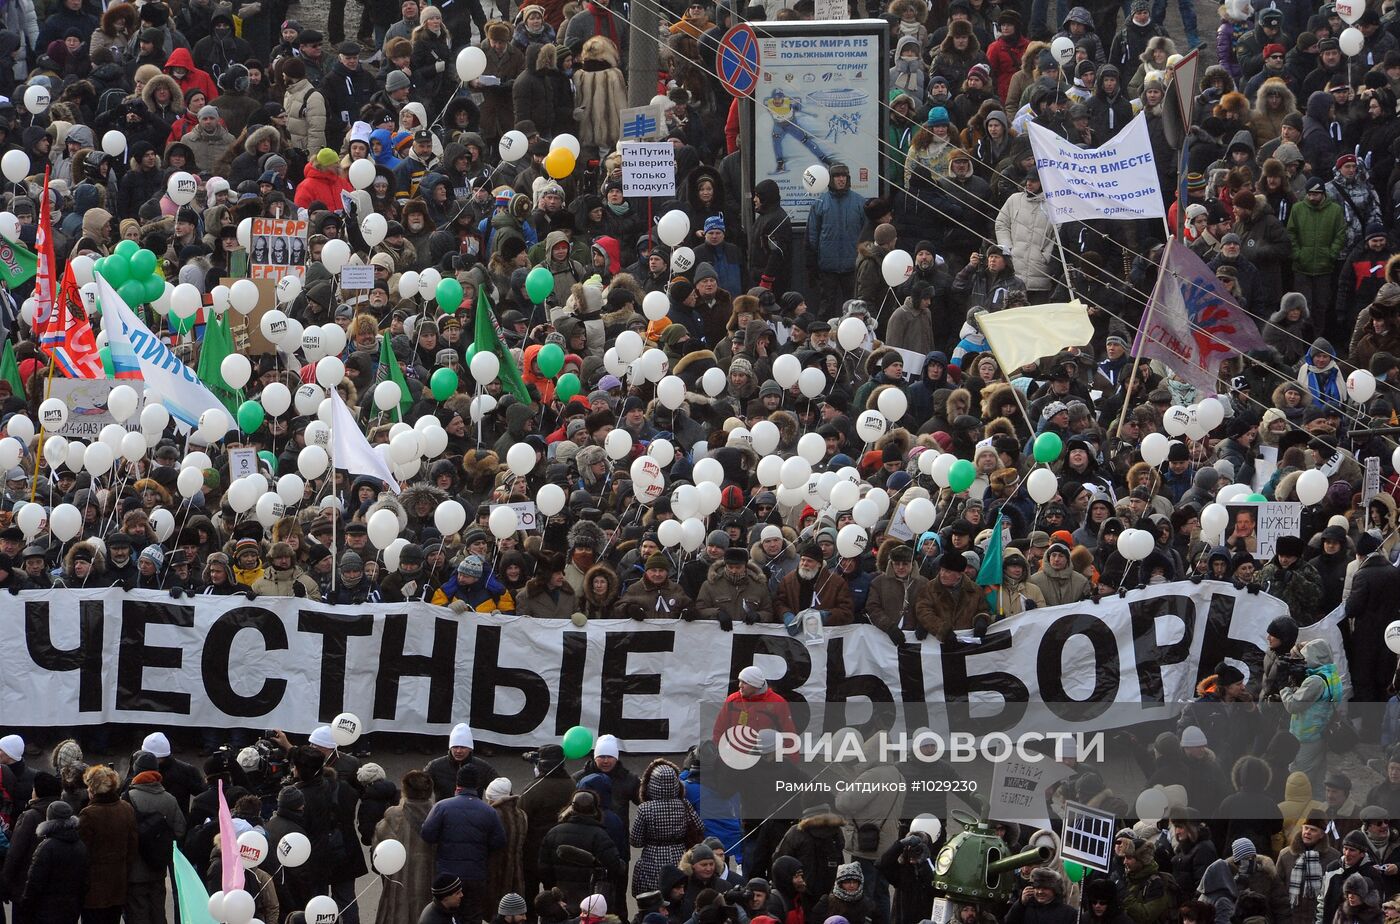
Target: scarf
(1305, 878)
(1378, 846)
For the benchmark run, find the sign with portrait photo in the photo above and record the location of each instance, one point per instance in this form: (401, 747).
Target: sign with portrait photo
(278, 248)
(1259, 525)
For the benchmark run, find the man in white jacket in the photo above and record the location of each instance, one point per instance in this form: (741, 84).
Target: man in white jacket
(1024, 230)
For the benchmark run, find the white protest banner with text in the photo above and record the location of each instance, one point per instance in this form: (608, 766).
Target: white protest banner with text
(648, 168)
(1117, 180)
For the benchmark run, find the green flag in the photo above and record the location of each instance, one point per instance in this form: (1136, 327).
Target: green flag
(216, 345)
(9, 370)
(488, 337)
(989, 575)
(389, 371)
(191, 898)
(17, 265)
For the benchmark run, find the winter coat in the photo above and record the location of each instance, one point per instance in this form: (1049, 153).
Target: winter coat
(1057, 912)
(828, 592)
(443, 771)
(107, 827)
(818, 842)
(664, 825)
(320, 186)
(600, 89)
(1060, 586)
(465, 830)
(911, 328)
(536, 98)
(1151, 895)
(306, 117)
(665, 602)
(748, 601)
(940, 611)
(1024, 230)
(506, 872)
(403, 901)
(541, 804)
(292, 582)
(145, 798)
(890, 603)
(497, 105)
(583, 833)
(542, 603)
(56, 888)
(833, 229)
(1318, 236)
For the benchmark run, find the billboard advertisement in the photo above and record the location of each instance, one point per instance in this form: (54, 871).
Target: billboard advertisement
(818, 101)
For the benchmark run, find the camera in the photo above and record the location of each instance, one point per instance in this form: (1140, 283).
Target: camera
(915, 849)
(1291, 671)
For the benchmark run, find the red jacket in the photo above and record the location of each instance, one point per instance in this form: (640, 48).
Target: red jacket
(321, 186)
(766, 710)
(1005, 59)
(195, 79)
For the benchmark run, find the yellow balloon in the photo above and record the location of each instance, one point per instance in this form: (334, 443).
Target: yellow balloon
(560, 163)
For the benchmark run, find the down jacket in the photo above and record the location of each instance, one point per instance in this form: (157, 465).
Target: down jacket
(1025, 231)
(465, 831)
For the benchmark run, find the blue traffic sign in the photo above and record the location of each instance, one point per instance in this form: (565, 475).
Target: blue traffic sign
(737, 61)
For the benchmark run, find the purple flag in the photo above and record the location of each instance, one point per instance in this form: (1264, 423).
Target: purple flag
(1192, 323)
(230, 868)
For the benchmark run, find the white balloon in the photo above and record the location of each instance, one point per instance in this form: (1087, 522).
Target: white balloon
(389, 857)
(521, 458)
(1351, 41)
(10, 451)
(941, 467)
(98, 459)
(1154, 449)
(408, 284)
(273, 323)
(713, 381)
(154, 418)
(252, 848)
(481, 406)
(692, 535)
(656, 306)
(162, 523)
(812, 447)
(449, 517)
(82, 269)
(288, 288)
(330, 371)
(682, 260)
(850, 333)
(812, 382)
(1135, 544)
(276, 398)
(550, 499)
(312, 462)
(55, 450)
(216, 905)
(865, 512)
(65, 521)
(36, 99)
(673, 227)
(53, 414)
(769, 472)
(1210, 413)
(291, 489)
(433, 441)
(1041, 485)
(9, 226)
(113, 143)
(181, 187)
(238, 907)
(766, 436)
(30, 519)
(787, 369)
(334, 255)
(218, 299)
(485, 367)
(346, 728)
(1311, 487)
(707, 470)
(374, 227)
(15, 166)
(321, 909)
(851, 541)
(1175, 419)
(133, 445)
(245, 230)
(293, 850)
(513, 146)
(629, 346)
(189, 481)
(1349, 10)
(471, 64)
(709, 495)
(404, 447)
(669, 533)
(111, 437)
(871, 425)
(1361, 386)
(797, 470)
(816, 179)
(1392, 636)
(896, 267)
(670, 391)
(21, 429)
(332, 337)
(654, 364)
(382, 527)
(236, 370)
(308, 398)
(894, 404)
(361, 175)
(387, 395)
(428, 281)
(844, 495)
(504, 521)
(1063, 50)
(566, 141)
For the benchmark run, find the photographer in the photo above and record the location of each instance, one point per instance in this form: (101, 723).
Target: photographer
(1282, 666)
(906, 865)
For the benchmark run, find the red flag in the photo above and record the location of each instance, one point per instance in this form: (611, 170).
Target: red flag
(68, 337)
(45, 282)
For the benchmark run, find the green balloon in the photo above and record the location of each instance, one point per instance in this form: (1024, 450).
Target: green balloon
(1048, 447)
(132, 292)
(180, 325)
(1073, 871)
(106, 354)
(550, 359)
(449, 295)
(539, 284)
(443, 383)
(578, 741)
(116, 269)
(1256, 498)
(127, 248)
(153, 287)
(143, 263)
(467, 356)
(270, 459)
(250, 416)
(961, 476)
(567, 386)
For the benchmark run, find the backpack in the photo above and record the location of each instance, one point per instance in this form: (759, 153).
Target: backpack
(155, 839)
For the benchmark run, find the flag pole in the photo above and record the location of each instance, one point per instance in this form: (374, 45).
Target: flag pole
(1139, 341)
(39, 448)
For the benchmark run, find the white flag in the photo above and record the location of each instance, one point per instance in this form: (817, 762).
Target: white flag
(1117, 180)
(351, 451)
(167, 379)
(1023, 335)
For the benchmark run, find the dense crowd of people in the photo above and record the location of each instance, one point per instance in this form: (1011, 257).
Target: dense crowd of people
(1289, 199)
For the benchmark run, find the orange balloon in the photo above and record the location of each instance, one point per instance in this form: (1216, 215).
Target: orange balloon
(560, 163)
